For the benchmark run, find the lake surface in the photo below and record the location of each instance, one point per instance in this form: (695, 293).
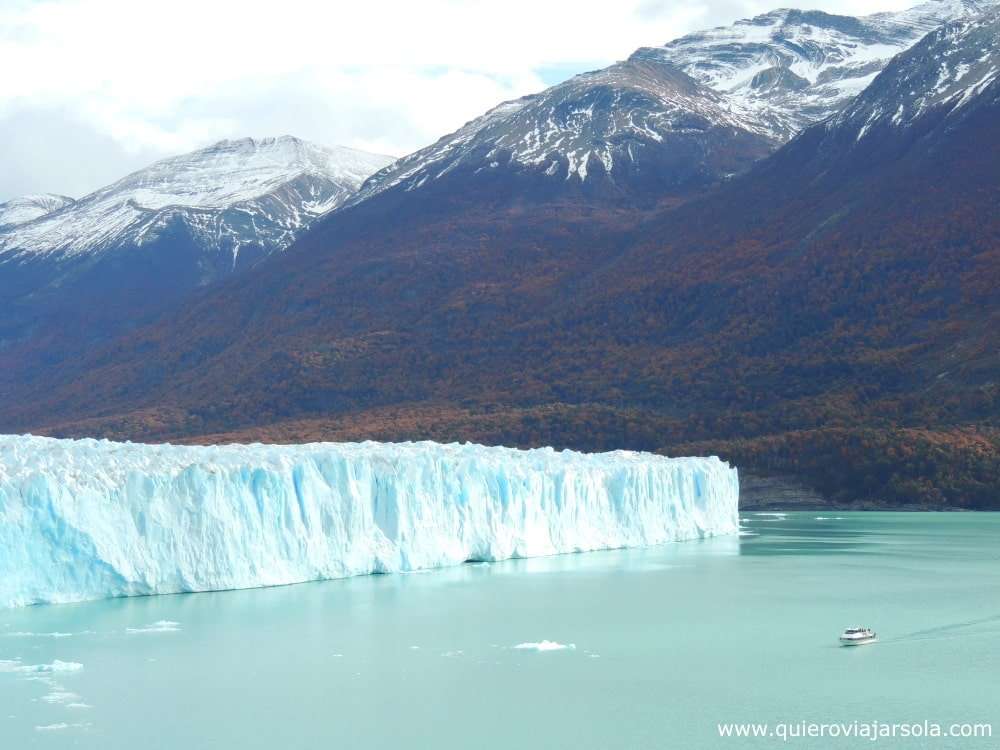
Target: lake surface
(668, 642)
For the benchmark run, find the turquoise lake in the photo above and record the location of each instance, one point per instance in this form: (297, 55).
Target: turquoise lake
(661, 646)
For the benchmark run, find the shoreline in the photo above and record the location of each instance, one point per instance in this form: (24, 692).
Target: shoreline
(862, 507)
(782, 492)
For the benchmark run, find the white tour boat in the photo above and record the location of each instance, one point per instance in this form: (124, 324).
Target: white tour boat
(857, 637)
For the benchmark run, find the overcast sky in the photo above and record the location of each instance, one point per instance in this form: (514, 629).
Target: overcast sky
(92, 89)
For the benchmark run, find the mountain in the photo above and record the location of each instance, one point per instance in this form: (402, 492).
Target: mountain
(234, 196)
(637, 129)
(948, 77)
(830, 315)
(672, 120)
(73, 273)
(789, 68)
(30, 207)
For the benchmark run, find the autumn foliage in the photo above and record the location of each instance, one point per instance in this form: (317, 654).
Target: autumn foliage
(835, 320)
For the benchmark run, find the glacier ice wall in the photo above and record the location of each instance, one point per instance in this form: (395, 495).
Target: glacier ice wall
(86, 519)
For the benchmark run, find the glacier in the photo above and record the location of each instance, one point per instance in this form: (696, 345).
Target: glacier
(90, 519)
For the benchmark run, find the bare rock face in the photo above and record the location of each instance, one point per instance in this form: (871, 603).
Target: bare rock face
(777, 491)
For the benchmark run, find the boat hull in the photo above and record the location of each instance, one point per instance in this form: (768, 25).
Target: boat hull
(858, 641)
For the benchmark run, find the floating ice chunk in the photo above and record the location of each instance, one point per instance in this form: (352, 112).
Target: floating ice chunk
(546, 646)
(86, 519)
(59, 666)
(160, 626)
(52, 727)
(60, 696)
(59, 726)
(28, 669)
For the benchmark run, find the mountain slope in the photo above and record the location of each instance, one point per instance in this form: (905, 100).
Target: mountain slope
(840, 299)
(833, 307)
(672, 120)
(951, 74)
(636, 128)
(73, 273)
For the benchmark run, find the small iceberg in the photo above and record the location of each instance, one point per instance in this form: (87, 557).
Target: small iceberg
(546, 646)
(160, 626)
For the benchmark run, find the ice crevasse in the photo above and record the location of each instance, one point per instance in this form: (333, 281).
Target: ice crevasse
(88, 519)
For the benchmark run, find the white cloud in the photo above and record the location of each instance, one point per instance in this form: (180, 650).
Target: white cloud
(154, 78)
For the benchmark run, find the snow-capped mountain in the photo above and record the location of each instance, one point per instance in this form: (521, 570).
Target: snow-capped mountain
(683, 115)
(74, 273)
(636, 122)
(787, 69)
(951, 72)
(30, 207)
(228, 196)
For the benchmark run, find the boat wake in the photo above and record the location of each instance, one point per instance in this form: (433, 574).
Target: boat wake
(951, 630)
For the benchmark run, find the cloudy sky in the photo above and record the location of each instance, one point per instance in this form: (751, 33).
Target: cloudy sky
(95, 88)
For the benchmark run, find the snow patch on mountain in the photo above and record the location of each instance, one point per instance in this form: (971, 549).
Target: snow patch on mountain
(787, 69)
(30, 207)
(950, 69)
